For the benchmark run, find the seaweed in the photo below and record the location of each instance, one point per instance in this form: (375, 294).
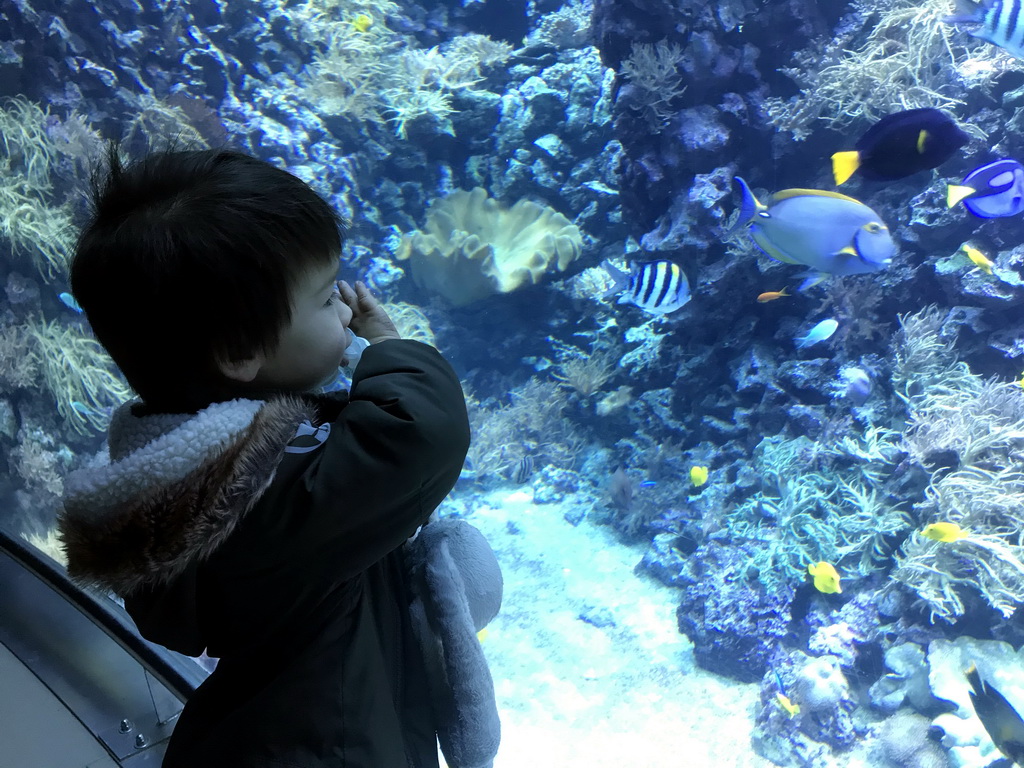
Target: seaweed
(968, 433)
(79, 374)
(908, 60)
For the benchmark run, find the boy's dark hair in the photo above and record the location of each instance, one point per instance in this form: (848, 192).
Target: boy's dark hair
(190, 257)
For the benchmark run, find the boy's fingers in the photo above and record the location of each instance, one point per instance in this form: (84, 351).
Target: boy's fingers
(346, 292)
(366, 299)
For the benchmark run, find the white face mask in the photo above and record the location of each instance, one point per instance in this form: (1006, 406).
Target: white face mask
(354, 351)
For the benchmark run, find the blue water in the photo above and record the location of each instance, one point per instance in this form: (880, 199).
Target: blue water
(489, 157)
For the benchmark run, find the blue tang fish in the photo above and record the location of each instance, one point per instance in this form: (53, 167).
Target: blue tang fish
(992, 191)
(825, 231)
(1002, 22)
(658, 287)
(69, 301)
(820, 332)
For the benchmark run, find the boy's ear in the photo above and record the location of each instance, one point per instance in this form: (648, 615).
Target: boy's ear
(241, 370)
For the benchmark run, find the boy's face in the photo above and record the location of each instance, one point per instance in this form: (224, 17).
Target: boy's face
(312, 346)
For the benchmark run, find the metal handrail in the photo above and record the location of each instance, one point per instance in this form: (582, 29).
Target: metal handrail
(178, 674)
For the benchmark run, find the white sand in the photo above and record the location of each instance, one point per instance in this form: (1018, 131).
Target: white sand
(572, 694)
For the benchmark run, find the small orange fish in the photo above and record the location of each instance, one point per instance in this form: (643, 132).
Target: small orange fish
(767, 296)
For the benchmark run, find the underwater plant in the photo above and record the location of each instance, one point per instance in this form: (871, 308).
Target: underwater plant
(907, 60)
(44, 233)
(365, 71)
(653, 71)
(19, 365)
(968, 433)
(40, 468)
(922, 364)
(79, 374)
(153, 120)
(568, 26)
(833, 514)
(26, 147)
(30, 219)
(530, 423)
(585, 372)
(411, 322)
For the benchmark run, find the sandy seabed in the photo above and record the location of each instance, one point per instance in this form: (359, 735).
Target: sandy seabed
(623, 695)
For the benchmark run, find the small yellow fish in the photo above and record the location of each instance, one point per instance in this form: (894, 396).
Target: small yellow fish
(826, 577)
(767, 296)
(946, 532)
(482, 634)
(787, 706)
(977, 258)
(698, 476)
(362, 23)
(1020, 381)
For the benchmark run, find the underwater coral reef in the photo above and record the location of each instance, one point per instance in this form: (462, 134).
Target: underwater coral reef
(841, 385)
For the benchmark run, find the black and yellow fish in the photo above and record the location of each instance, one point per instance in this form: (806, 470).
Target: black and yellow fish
(900, 145)
(1002, 721)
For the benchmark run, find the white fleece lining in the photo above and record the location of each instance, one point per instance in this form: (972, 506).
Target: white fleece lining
(165, 457)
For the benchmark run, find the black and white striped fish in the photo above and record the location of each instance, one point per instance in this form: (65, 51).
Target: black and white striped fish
(658, 287)
(1002, 22)
(524, 470)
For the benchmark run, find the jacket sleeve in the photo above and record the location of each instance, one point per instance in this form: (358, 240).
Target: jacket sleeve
(393, 454)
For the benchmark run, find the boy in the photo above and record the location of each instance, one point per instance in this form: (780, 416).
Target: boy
(241, 514)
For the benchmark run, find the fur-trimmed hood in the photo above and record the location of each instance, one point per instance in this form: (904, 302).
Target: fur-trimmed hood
(175, 487)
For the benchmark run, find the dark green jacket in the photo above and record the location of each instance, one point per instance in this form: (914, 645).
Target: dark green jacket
(279, 551)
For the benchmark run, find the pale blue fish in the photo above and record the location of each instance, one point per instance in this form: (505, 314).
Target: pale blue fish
(69, 301)
(1002, 22)
(820, 332)
(659, 287)
(825, 231)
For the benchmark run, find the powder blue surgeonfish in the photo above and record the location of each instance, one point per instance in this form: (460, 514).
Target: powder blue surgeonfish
(825, 231)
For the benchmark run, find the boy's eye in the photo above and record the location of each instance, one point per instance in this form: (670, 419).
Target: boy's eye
(334, 295)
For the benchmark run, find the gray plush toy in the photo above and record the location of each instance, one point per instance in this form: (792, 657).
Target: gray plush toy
(457, 586)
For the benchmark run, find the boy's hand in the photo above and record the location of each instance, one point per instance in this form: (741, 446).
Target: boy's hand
(369, 319)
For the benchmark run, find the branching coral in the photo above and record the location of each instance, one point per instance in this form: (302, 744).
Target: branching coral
(39, 467)
(909, 59)
(155, 120)
(585, 372)
(363, 70)
(529, 424)
(79, 374)
(653, 71)
(568, 26)
(19, 365)
(803, 516)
